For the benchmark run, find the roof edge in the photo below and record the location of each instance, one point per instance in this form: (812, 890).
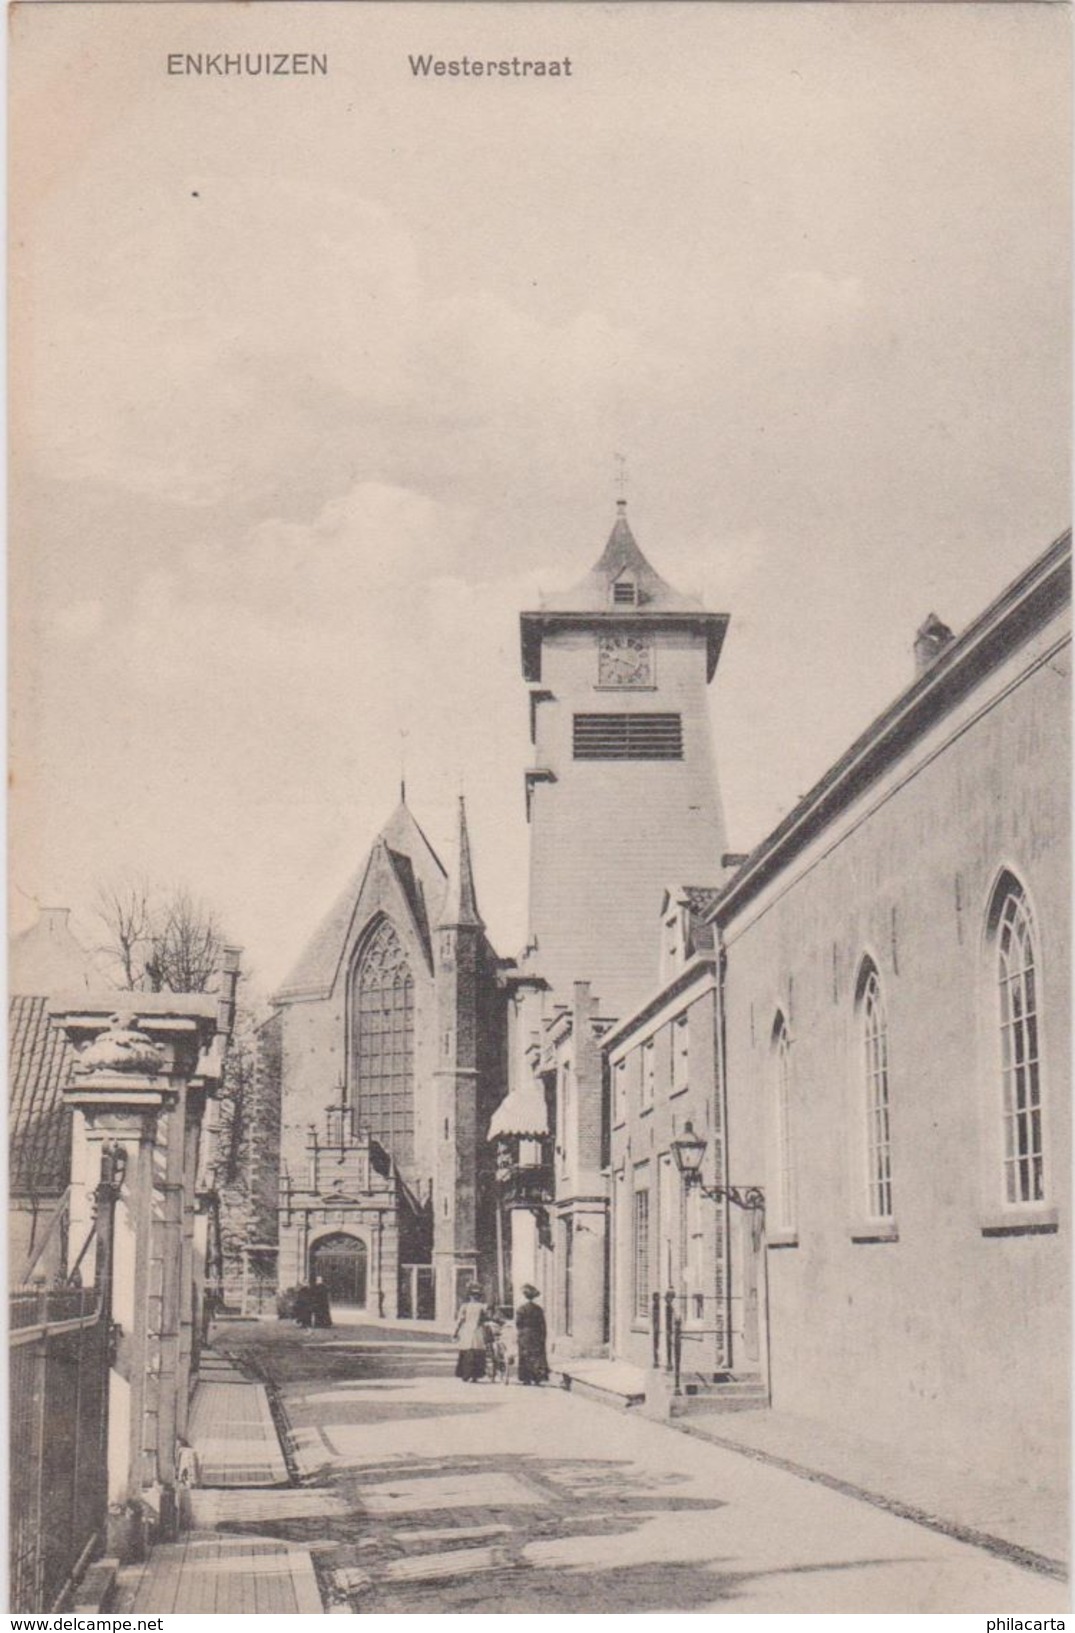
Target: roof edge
(1029, 600)
(702, 964)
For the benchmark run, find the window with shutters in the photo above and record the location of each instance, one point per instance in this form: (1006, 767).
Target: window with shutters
(628, 737)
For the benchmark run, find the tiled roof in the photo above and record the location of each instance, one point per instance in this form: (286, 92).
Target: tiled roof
(39, 1124)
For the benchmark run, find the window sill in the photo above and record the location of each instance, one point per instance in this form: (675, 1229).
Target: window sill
(640, 1326)
(875, 1230)
(674, 1094)
(782, 1238)
(646, 1110)
(1029, 1220)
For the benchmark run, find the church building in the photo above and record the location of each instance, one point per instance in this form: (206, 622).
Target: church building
(387, 1040)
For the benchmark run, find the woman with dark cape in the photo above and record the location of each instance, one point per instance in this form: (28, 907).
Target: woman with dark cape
(530, 1327)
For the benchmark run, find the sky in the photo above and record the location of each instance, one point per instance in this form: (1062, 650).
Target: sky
(317, 382)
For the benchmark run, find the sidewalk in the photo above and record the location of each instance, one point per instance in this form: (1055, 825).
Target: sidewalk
(231, 1429)
(240, 1460)
(1021, 1521)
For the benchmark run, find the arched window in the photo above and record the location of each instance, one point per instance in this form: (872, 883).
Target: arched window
(1016, 976)
(383, 1046)
(785, 1211)
(874, 1035)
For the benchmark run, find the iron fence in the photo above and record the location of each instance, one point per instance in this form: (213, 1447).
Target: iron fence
(58, 1383)
(60, 1355)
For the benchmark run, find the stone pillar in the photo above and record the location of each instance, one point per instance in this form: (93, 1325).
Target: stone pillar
(139, 1084)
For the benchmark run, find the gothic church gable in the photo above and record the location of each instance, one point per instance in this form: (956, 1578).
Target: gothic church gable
(403, 877)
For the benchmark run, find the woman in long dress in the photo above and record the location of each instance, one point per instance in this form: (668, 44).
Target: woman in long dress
(530, 1327)
(470, 1336)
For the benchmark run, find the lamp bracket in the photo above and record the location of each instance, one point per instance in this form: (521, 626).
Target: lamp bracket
(751, 1198)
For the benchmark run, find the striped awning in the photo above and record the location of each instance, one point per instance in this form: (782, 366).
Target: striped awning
(520, 1115)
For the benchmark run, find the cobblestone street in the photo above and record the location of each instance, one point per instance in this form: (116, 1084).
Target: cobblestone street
(422, 1493)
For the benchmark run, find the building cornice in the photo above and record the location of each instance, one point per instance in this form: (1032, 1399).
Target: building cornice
(692, 974)
(534, 626)
(1017, 613)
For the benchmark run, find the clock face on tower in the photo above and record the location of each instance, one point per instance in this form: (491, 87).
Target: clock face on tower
(624, 659)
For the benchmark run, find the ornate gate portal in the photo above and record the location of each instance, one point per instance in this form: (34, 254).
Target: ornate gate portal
(342, 1263)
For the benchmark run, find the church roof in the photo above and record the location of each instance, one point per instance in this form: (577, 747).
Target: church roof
(460, 907)
(648, 599)
(621, 558)
(404, 849)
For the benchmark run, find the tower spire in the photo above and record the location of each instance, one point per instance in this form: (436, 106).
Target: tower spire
(460, 900)
(621, 482)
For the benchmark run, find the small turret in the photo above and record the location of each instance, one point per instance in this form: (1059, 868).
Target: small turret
(460, 908)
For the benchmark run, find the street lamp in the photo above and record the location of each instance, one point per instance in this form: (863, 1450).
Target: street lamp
(688, 1152)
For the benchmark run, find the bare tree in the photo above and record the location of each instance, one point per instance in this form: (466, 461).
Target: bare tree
(187, 945)
(124, 909)
(160, 941)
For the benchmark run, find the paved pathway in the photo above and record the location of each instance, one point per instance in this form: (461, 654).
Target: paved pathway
(451, 1497)
(215, 1572)
(223, 1563)
(232, 1433)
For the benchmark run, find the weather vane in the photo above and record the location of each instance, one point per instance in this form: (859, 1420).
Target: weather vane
(620, 479)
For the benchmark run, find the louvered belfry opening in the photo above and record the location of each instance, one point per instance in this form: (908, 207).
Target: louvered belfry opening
(628, 737)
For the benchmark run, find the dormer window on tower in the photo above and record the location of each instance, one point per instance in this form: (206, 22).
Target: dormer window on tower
(625, 591)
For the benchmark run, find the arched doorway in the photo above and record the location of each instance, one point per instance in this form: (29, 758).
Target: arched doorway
(342, 1263)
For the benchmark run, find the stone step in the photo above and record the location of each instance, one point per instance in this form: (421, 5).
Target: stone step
(724, 1395)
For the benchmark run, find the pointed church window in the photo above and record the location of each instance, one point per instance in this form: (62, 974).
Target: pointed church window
(1018, 980)
(383, 1043)
(874, 1036)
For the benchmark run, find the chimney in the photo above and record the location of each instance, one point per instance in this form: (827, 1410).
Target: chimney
(930, 641)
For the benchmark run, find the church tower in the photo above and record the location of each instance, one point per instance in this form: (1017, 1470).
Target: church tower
(622, 795)
(460, 938)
